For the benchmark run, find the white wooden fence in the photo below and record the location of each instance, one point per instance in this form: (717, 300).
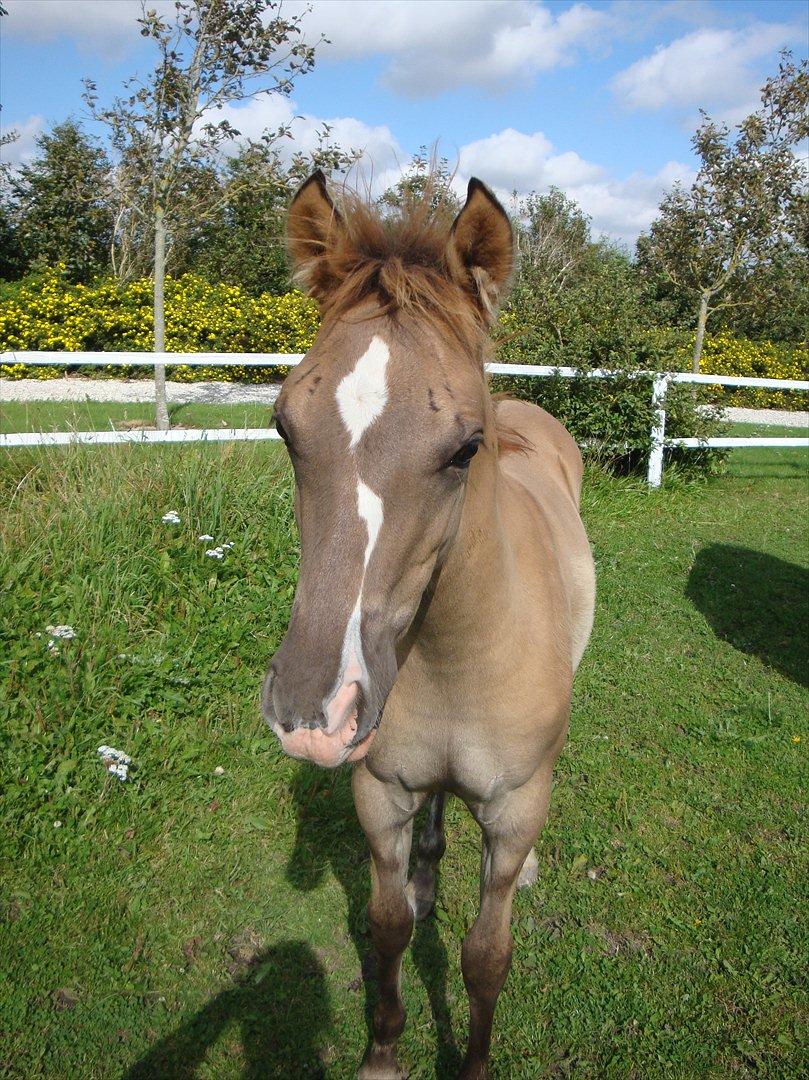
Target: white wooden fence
(660, 383)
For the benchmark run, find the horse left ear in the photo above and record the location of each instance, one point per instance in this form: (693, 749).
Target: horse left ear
(480, 249)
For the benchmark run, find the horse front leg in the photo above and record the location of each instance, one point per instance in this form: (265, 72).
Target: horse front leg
(386, 817)
(510, 826)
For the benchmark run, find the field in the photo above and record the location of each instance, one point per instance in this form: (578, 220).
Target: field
(206, 917)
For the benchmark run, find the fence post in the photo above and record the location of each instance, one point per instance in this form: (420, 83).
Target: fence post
(660, 386)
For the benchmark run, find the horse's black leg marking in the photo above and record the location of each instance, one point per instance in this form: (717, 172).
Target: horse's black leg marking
(431, 847)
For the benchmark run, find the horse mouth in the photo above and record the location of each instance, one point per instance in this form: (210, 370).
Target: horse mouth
(328, 750)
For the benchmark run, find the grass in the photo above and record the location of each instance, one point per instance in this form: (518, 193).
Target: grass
(99, 416)
(207, 917)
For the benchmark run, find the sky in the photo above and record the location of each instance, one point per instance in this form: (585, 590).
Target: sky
(597, 98)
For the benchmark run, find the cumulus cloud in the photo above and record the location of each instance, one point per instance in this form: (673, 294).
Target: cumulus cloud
(382, 156)
(710, 68)
(512, 161)
(446, 44)
(22, 149)
(107, 27)
(430, 47)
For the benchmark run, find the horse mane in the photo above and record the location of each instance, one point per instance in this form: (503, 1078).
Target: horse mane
(397, 259)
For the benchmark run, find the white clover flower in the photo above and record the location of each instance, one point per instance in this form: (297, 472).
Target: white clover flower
(205, 537)
(171, 518)
(57, 824)
(66, 632)
(219, 771)
(116, 761)
(215, 553)
(228, 544)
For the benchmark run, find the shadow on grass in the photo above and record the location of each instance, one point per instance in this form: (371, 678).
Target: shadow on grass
(757, 603)
(329, 836)
(282, 1009)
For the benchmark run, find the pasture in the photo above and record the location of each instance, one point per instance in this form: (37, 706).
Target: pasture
(206, 917)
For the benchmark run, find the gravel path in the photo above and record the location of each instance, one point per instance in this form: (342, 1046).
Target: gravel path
(219, 393)
(212, 393)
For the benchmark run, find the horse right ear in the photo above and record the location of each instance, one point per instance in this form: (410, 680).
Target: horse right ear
(313, 228)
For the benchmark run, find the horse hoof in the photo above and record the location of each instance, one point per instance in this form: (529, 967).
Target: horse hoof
(381, 1064)
(530, 870)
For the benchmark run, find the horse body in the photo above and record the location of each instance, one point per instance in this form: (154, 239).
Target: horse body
(444, 603)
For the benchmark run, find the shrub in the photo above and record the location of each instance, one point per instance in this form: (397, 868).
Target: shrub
(44, 312)
(724, 354)
(613, 417)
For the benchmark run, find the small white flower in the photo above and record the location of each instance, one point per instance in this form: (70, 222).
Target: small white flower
(219, 771)
(57, 824)
(114, 755)
(228, 545)
(66, 632)
(171, 518)
(205, 537)
(215, 553)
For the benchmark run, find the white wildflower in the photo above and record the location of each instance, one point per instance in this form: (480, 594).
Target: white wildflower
(219, 771)
(66, 632)
(215, 553)
(171, 518)
(205, 537)
(57, 824)
(228, 544)
(116, 761)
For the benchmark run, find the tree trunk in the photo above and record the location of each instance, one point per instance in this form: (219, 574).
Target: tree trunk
(161, 407)
(701, 321)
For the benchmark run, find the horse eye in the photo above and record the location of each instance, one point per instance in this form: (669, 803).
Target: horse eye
(465, 454)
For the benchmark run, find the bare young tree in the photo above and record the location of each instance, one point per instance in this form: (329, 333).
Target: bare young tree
(168, 131)
(716, 240)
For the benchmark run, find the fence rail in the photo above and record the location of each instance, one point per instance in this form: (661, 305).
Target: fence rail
(660, 383)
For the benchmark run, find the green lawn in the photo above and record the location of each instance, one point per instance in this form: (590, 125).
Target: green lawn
(189, 923)
(99, 416)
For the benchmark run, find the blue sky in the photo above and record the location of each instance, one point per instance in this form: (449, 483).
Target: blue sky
(598, 98)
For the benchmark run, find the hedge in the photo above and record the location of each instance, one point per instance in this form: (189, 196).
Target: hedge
(44, 312)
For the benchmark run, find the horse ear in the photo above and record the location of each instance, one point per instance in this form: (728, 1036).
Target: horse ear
(480, 250)
(313, 227)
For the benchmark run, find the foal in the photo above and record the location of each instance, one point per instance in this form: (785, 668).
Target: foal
(446, 585)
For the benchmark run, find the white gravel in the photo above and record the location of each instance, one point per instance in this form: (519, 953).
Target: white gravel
(221, 393)
(769, 416)
(127, 390)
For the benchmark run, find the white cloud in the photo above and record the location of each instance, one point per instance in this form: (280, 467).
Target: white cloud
(430, 47)
(512, 161)
(437, 46)
(106, 26)
(22, 149)
(381, 152)
(710, 68)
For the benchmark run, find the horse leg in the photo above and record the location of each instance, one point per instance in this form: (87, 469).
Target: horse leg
(510, 826)
(386, 818)
(421, 887)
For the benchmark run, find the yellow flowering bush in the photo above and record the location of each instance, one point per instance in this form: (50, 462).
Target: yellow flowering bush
(44, 312)
(724, 354)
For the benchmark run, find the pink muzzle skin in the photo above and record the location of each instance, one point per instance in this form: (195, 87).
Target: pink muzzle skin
(329, 746)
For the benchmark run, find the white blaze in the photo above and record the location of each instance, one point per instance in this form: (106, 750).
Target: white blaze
(361, 397)
(369, 507)
(363, 393)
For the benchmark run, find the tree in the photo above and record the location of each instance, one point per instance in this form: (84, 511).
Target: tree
(169, 129)
(428, 177)
(720, 240)
(59, 205)
(243, 243)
